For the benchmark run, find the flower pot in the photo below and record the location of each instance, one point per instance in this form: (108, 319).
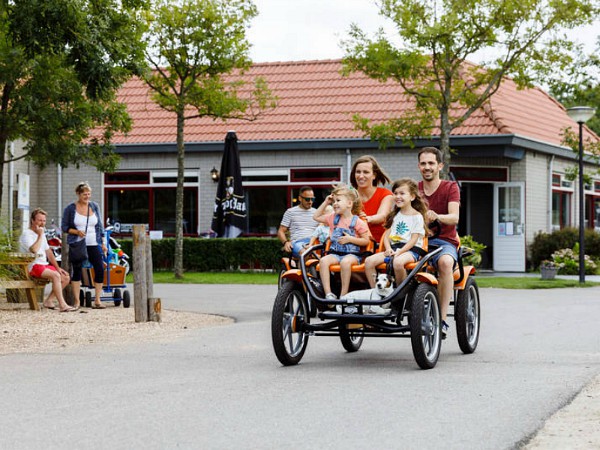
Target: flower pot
(549, 273)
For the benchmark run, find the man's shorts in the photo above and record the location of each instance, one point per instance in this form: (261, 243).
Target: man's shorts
(447, 249)
(37, 270)
(298, 245)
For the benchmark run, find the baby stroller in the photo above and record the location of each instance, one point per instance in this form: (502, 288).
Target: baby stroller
(114, 287)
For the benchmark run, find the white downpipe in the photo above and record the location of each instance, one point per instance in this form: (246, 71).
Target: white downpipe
(550, 171)
(198, 215)
(11, 186)
(59, 194)
(348, 165)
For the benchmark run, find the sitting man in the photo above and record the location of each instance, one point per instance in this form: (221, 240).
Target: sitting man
(33, 240)
(443, 198)
(299, 221)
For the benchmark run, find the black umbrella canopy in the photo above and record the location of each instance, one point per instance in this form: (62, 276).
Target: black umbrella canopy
(229, 218)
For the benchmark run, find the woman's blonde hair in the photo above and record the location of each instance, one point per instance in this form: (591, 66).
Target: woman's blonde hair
(418, 203)
(350, 193)
(83, 186)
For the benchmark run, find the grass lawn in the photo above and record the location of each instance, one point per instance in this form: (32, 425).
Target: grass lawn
(529, 283)
(214, 278)
(271, 278)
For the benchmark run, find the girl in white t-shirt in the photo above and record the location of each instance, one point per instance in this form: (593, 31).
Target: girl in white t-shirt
(405, 230)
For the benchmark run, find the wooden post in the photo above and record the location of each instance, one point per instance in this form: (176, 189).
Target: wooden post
(154, 304)
(140, 294)
(155, 309)
(65, 264)
(149, 268)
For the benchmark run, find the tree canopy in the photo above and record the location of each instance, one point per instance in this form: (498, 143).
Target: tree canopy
(436, 40)
(61, 63)
(581, 88)
(197, 50)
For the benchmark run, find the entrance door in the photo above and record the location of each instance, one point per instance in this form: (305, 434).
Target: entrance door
(509, 227)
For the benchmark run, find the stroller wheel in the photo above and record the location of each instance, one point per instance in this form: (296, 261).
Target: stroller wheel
(88, 299)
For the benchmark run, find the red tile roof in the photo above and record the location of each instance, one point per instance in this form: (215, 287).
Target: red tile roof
(316, 102)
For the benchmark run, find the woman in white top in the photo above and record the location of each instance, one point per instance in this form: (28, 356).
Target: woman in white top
(75, 217)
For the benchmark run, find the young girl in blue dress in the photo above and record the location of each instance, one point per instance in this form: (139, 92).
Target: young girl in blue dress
(347, 234)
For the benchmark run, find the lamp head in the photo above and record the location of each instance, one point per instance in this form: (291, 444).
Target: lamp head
(581, 114)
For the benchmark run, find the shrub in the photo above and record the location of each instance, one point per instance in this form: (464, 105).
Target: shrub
(214, 255)
(568, 261)
(475, 258)
(544, 244)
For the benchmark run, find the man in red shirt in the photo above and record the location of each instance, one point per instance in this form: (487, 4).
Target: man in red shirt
(443, 198)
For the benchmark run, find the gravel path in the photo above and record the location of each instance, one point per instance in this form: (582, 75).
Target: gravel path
(26, 331)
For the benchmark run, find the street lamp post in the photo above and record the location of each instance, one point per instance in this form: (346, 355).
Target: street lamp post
(581, 114)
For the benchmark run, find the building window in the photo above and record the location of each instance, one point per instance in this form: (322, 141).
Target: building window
(561, 209)
(269, 192)
(127, 178)
(154, 206)
(149, 197)
(485, 174)
(128, 206)
(265, 206)
(556, 179)
(592, 212)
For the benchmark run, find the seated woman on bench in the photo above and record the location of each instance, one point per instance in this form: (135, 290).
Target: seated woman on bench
(33, 240)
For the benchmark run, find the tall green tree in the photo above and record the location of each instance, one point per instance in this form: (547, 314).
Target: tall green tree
(437, 38)
(198, 51)
(61, 63)
(581, 88)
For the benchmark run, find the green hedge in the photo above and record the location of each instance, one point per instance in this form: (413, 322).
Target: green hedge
(544, 244)
(210, 255)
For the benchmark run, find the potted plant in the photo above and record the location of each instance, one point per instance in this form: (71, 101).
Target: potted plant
(549, 269)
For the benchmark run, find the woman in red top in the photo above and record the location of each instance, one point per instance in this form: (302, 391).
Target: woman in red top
(377, 202)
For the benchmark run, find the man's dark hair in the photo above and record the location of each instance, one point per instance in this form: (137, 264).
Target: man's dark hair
(303, 189)
(434, 151)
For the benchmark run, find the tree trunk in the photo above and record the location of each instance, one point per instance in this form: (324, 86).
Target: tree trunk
(2, 158)
(4, 102)
(178, 267)
(445, 130)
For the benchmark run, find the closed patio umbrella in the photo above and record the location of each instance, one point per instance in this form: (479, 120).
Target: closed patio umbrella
(229, 218)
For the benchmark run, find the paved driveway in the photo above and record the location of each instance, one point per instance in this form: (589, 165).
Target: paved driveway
(223, 387)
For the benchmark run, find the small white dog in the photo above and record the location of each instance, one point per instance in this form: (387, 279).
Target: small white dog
(384, 285)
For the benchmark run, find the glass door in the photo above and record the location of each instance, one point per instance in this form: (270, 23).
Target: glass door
(509, 227)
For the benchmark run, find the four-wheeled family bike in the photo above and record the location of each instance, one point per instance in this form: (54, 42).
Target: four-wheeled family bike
(411, 310)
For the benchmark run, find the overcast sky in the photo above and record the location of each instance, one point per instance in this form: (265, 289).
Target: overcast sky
(293, 30)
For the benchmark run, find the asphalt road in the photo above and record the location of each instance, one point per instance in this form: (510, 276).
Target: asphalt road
(223, 388)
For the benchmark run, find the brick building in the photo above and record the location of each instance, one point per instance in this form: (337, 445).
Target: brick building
(509, 160)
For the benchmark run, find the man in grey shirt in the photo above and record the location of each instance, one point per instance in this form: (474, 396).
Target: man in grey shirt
(299, 222)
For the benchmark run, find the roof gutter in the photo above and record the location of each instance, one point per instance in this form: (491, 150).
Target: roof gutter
(501, 145)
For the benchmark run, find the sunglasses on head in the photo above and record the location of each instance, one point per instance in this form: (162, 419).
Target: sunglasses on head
(308, 199)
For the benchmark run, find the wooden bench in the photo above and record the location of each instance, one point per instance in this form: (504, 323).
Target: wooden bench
(20, 278)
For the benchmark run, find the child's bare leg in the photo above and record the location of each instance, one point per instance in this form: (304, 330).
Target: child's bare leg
(371, 264)
(346, 272)
(326, 261)
(399, 262)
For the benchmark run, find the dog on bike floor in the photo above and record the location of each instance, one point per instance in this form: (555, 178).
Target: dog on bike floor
(384, 285)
